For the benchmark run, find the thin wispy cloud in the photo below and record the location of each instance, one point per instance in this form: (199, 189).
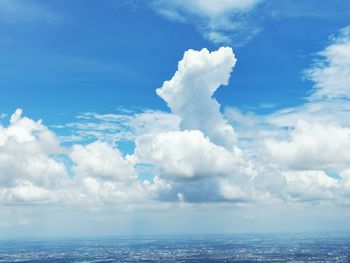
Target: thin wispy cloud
(226, 21)
(23, 12)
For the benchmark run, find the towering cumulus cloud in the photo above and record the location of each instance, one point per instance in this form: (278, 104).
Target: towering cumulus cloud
(201, 162)
(189, 93)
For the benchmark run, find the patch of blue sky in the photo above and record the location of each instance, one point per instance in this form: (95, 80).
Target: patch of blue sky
(126, 147)
(333, 174)
(146, 171)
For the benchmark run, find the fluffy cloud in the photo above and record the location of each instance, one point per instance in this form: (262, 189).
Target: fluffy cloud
(201, 162)
(192, 154)
(27, 192)
(34, 169)
(203, 151)
(194, 167)
(305, 148)
(100, 160)
(28, 166)
(301, 152)
(311, 146)
(105, 176)
(218, 21)
(189, 93)
(98, 191)
(314, 185)
(186, 155)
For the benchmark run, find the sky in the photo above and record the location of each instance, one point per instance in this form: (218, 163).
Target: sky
(132, 117)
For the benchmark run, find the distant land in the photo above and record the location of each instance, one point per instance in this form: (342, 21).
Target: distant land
(321, 247)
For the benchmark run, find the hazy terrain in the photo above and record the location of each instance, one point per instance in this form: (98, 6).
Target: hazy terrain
(213, 248)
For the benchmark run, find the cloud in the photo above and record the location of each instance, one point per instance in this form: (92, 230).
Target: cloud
(22, 11)
(327, 103)
(189, 94)
(186, 155)
(321, 111)
(318, 134)
(114, 127)
(193, 154)
(300, 153)
(311, 146)
(103, 175)
(100, 160)
(97, 191)
(331, 70)
(201, 162)
(219, 21)
(30, 165)
(313, 185)
(206, 191)
(26, 148)
(27, 192)
(308, 9)
(301, 187)
(34, 169)
(194, 167)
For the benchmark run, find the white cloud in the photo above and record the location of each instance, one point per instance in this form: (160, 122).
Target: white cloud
(27, 192)
(100, 160)
(103, 175)
(232, 192)
(219, 21)
(189, 93)
(194, 168)
(297, 150)
(193, 153)
(116, 127)
(297, 186)
(318, 135)
(100, 191)
(22, 11)
(324, 112)
(186, 155)
(314, 185)
(268, 182)
(311, 146)
(331, 71)
(214, 8)
(25, 149)
(30, 167)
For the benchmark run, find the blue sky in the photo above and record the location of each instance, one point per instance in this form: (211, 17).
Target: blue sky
(99, 56)
(255, 119)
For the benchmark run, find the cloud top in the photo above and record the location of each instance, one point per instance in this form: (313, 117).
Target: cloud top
(189, 93)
